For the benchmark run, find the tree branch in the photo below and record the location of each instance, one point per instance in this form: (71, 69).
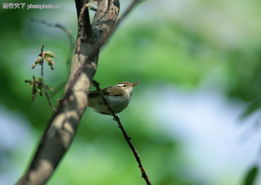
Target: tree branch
(63, 124)
(59, 26)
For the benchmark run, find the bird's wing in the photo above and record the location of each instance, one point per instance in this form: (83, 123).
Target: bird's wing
(107, 91)
(113, 91)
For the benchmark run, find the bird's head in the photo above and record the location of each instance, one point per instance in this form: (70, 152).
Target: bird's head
(127, 86)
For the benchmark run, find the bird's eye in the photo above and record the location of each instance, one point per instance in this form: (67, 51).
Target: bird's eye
(123, 85)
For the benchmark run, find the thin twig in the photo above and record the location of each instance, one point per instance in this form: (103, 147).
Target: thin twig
(41, 55)
(48, 99)
(125, 135)
(44, 86)
(59, 26)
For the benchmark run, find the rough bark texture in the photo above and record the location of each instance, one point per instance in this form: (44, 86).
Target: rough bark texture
(63, 125)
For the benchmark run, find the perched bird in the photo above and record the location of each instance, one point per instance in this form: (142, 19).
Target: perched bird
(118, 96)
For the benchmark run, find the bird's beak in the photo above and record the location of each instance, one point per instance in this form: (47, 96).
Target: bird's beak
(135, 83)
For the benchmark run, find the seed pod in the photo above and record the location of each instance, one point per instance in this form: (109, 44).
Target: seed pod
(50, 54)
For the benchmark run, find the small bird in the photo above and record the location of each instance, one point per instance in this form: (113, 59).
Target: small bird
(118, 96)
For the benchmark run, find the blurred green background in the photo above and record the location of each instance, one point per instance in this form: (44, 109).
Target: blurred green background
(194, 117)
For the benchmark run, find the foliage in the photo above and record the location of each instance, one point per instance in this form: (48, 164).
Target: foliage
(170, 52)
(251, 176)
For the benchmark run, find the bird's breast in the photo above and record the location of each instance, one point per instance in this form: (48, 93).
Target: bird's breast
(118, 103)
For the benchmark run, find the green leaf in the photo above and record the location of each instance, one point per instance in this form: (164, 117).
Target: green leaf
(251, 176)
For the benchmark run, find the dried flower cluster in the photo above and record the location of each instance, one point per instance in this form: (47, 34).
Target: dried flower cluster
(44, 56)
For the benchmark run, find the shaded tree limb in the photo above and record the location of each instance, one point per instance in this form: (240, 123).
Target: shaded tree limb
(63, 125)
(124, 133)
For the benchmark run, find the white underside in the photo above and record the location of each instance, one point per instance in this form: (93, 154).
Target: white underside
(118, 103)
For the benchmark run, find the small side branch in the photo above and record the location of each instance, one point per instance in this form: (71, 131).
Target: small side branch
(124, 133)
(45, 87)
(59, 26)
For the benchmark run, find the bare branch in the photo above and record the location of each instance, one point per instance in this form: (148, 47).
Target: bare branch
(59, 26)
(43, 82)
(124, 133)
